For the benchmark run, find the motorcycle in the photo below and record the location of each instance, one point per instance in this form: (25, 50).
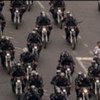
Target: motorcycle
(62, 89)
(68, 74)
(18, 89)
(28, 71)
(17, 17)
(8, 62)
(72, 38)
(35, 51)
(85, 94)
(97, 88)
(59, 17)
(29, 4)
(44, 36)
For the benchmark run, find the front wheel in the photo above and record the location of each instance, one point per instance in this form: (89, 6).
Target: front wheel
(60, 25)
(73, 44)
(16, 25)
(18, 97)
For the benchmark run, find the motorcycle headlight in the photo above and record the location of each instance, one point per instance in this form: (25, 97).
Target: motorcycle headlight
(8, 54)
(35, 47)
(68, 69)
(59, 11)
(64, 90)
(85, 90)
(97, 81)
(44, 29)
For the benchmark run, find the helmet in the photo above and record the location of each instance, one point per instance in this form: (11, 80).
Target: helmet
(80, 73)
(68, 13)
(36, 28)
(33, 72)
(32, 87)
(58, 71)
(43, 13)
(34, 32)
(25, 50)
(65, 53)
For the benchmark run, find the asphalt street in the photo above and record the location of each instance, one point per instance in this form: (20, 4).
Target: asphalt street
(85, 11)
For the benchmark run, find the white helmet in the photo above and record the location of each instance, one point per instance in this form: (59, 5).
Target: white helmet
(33, 86)
(68, 12)
(43, 13)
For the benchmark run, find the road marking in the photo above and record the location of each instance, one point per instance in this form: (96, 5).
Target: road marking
(85, 45)
(19, 48)
(91, 52)
(41, 5)
(85, 58)
(81, 64)
(79, 59)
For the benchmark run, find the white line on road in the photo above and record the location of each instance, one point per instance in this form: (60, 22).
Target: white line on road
(41, 5)
(19, 48)
(91, 52)
(84, 58)
(85, 45)
(81, 64)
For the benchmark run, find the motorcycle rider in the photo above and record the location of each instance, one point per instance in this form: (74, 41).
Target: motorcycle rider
(94, 70)
(36, 79)
(66, 59)
(43, 20)
(57, 96)
(27, 57)
(6, 45)
(54, 6)
(2, 22)
(31, 94)
(69, 22)
(17, 4)
(61, 81)
(1, 5)
(34, 38)
(82, 80)
(96, 50)
(17, 72)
